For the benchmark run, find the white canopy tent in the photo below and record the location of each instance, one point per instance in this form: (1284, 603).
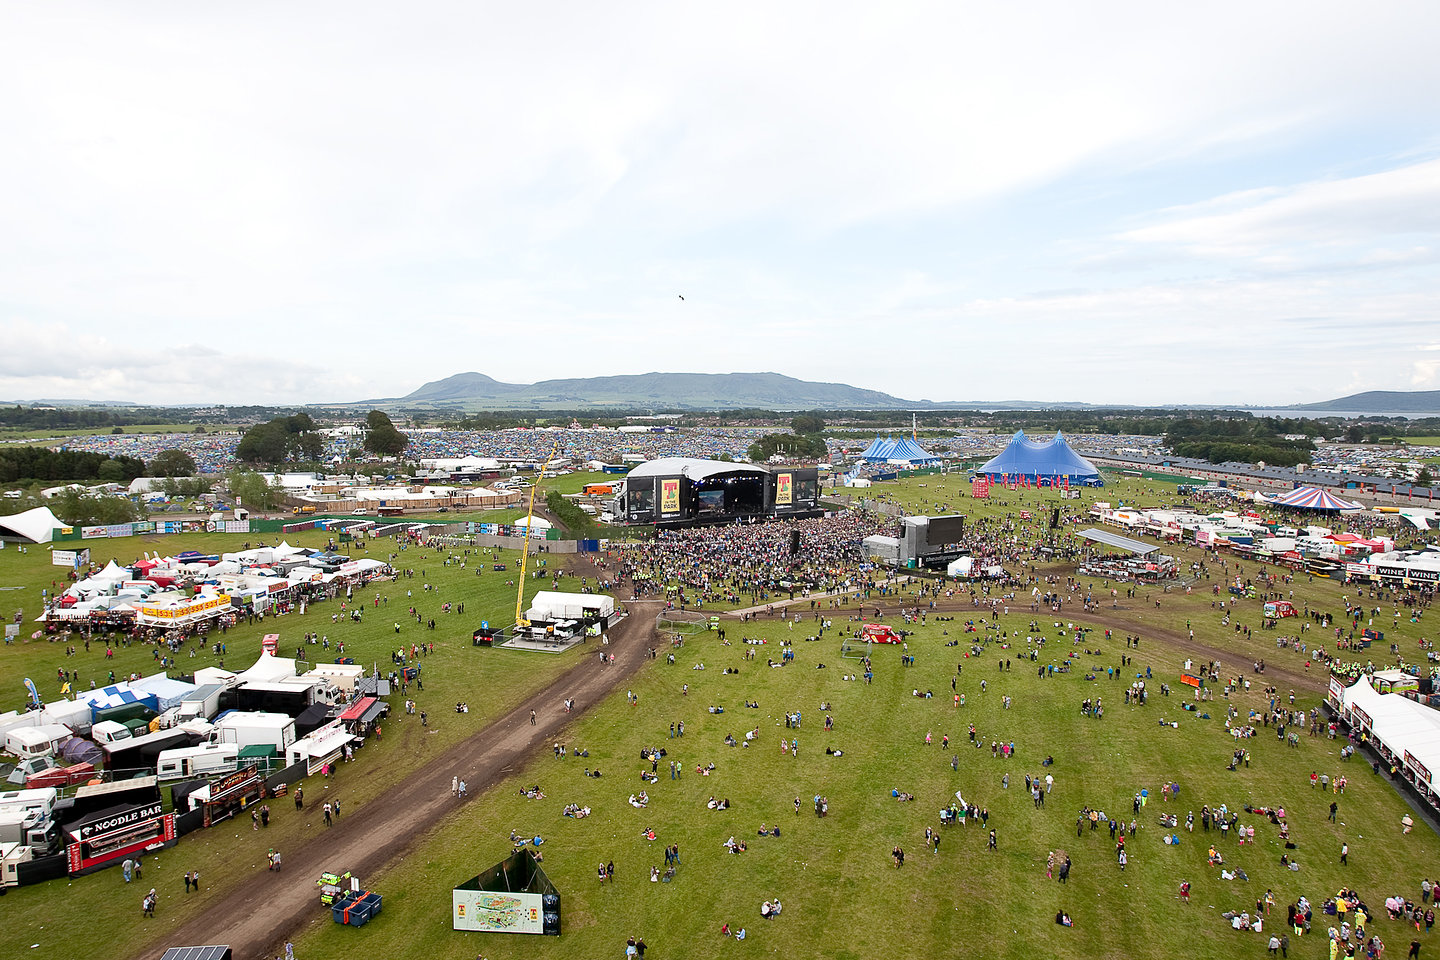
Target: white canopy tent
(34, 526)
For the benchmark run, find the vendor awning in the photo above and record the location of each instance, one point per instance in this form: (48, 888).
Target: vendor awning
(357, 709)
(1118, 542)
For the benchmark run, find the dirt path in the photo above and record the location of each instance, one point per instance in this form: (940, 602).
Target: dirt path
(257, 918)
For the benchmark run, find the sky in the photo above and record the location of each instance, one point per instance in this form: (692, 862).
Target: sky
(276, 203)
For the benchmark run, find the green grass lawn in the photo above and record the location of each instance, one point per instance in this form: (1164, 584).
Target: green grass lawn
(842, 896)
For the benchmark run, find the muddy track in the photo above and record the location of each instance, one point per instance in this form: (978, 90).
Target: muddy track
(258, 916)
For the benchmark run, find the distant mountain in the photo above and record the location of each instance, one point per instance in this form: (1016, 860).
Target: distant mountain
(1382, 401)
(672, 391)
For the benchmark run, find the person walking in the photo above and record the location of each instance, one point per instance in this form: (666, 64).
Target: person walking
(454, 786)
(989, 845)
(532, 718)
(1345, 853)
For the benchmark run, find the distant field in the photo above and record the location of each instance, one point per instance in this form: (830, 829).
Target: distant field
(7, 434)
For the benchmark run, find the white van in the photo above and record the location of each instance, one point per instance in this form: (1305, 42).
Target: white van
(109, 731)
(201, 761)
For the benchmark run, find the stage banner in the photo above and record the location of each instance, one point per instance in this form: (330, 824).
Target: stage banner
(783, 492)
(670, 495)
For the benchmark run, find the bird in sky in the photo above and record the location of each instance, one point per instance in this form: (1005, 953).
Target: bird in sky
(681, 296)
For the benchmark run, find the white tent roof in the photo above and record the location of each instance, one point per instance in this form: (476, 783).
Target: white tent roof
(269, 668)
(960, 567)
(1398, 722)
(539, 523)
(112, 572)
(36, 525)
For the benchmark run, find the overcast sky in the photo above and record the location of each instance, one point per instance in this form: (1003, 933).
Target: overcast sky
(1135, 203)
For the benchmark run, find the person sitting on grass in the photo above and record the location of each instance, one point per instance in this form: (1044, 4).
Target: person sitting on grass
(1063, 919)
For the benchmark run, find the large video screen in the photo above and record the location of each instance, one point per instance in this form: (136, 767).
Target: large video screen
(943, 530)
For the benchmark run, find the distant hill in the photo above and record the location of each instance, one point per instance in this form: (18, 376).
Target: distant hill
(1382, 401)
(677, 391)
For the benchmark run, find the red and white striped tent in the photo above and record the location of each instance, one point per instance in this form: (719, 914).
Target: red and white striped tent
(1313, 498)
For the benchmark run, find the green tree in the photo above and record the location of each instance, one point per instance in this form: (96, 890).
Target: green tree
(1423, 478)
(111, 471)
(81, 508)
(281, 439)
(381, 437)
(807, 423)
(252, 490)
(172, 463)
(787, 445)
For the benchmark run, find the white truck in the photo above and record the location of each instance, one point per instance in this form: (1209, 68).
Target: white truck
(31, 829)
(255, 729)
(344, 676)
(202, 761)
(203, 704)
(40, 801)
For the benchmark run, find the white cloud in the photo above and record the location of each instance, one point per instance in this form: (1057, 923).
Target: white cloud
(346, 200)
(1315, 217)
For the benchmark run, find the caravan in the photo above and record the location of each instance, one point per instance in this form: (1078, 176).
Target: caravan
(42, 741)
(202, 761)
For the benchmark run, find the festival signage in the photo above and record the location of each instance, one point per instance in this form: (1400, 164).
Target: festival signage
(783, 490)
(980, 489)
(496, 912)
(1408, 573)
(233, 783)
(103, 840)
(1363, 717)
(69, 558)
(670, 495)
(1421, 771)
(1191, 680)
(94, 533)
(186, 610)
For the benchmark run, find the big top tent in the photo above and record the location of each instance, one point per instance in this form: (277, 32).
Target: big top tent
(902, 452)
(1313, 498)
(1041, 462)
(33, 526)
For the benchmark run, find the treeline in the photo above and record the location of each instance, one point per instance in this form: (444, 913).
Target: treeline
(37, 464)
(1258, 440)
(576, 522)
(86, 418)
(800, 445)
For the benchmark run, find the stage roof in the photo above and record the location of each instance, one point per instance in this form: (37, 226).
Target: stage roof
(692, 468)
(1116, 541)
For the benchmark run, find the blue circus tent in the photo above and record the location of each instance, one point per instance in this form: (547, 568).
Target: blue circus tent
(1042, 462)
(903, 451)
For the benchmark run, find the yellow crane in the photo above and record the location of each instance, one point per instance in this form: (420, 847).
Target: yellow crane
(520, 620)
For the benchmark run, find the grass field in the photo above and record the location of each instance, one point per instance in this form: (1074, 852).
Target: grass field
(7, 433)
(842, 896)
